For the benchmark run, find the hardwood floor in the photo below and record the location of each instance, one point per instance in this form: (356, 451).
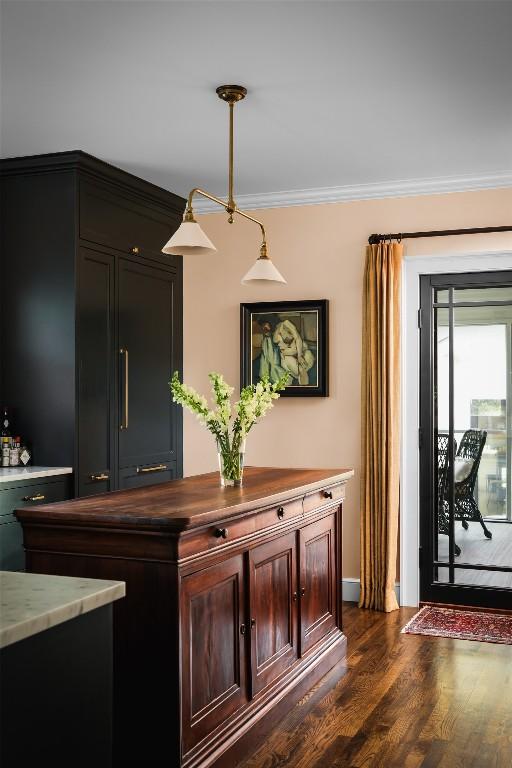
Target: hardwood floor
(400, 701)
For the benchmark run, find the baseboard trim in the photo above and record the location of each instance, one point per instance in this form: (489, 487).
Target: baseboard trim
(352, 587)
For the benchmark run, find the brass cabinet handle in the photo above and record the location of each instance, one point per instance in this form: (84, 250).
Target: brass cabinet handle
(134, 250)
(242, 629)
(221, 533)
(36, 497)
(158, 468)
(280, 512)
(327, 494)
(101, 476)
(302, 591)
(253, 623)
(294, 597)
(124, 422)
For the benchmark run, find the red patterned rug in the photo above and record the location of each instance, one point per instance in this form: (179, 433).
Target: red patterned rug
(462, 625)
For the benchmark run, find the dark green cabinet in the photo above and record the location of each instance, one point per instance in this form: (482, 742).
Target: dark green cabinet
(96, 373)
(148, 323)
(94, 313)
(16, 494)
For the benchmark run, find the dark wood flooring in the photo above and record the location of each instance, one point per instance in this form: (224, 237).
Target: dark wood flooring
(400, 701)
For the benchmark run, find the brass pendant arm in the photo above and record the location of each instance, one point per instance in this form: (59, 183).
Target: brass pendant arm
(189, 214)
(197, 191)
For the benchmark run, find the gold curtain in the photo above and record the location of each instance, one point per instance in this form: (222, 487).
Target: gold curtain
(380, 454)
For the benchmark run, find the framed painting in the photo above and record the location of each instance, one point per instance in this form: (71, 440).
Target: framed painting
(286, 337)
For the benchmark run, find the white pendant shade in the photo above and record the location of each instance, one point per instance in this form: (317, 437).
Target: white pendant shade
(263, 271)
(189, 240)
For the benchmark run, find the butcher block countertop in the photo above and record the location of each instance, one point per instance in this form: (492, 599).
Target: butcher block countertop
(188, 503)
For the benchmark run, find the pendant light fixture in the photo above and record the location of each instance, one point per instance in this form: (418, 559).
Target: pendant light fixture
(190, 240)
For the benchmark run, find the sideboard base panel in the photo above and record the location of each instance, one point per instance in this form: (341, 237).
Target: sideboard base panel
(258, 721)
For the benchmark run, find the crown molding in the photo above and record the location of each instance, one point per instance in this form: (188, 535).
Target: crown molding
(408, 188)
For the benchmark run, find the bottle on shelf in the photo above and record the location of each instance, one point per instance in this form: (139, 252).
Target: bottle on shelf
(6, 451)
(5, 422)
(5, 437)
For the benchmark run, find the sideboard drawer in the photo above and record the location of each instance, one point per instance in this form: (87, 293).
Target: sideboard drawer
(325, 496)
(215, 536)
(277, 513)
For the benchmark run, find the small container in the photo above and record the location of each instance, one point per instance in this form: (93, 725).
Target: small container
(25, 455)
(6, 451)
(14, 453)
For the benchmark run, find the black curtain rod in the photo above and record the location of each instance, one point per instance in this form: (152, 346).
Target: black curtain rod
(375, 239)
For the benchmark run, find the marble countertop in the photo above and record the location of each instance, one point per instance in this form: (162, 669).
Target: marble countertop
(32, 602)
(9, 474)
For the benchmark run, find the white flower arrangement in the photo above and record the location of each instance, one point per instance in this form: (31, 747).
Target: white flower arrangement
(229, 424)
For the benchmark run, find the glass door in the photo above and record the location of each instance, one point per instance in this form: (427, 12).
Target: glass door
(465, 439)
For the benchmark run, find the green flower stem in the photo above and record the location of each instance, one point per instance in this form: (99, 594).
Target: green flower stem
(229, 424)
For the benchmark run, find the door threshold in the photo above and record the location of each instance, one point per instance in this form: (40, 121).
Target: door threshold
(456, 607)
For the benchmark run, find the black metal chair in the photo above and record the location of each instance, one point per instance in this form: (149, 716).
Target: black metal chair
(466, 509)
(443, 509)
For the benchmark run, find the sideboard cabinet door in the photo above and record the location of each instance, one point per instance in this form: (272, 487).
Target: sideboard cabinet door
(317, 581)
(213, 630)
(273, 609)
(149, 333)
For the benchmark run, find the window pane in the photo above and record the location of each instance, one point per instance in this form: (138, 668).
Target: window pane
(500, 293)
(475, 578)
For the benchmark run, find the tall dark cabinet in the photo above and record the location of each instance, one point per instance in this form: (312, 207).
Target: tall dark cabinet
(91, 324)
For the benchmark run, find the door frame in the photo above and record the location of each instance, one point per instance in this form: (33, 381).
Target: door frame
(413, 267)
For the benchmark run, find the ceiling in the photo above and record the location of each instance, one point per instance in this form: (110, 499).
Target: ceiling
(340, 93)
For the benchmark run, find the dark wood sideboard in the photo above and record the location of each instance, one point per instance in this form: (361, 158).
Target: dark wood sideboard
(232, 608)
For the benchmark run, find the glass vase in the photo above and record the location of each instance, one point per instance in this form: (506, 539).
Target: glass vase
(231, 465)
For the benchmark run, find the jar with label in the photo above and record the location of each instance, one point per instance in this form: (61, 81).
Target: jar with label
(14, 454)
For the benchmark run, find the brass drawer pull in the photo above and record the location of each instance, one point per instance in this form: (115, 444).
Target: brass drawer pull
(102, 476)
(158, 468)
(280, 512)
(134, 250)
(221, 533)
(327, 494)
(36, 497)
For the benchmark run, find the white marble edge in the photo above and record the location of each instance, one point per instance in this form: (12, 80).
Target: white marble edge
(33, 602)
(12, 474)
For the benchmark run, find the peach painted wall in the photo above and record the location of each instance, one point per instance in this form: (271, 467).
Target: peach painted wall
(320, 251)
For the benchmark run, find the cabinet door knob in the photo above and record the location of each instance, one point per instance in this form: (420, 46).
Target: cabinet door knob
(221, 533)
(242, 629)
(36, 497)
(294, 597)
(134, 250)
(253, 623)
(302, 591)
(327, 494)
(280, 512)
